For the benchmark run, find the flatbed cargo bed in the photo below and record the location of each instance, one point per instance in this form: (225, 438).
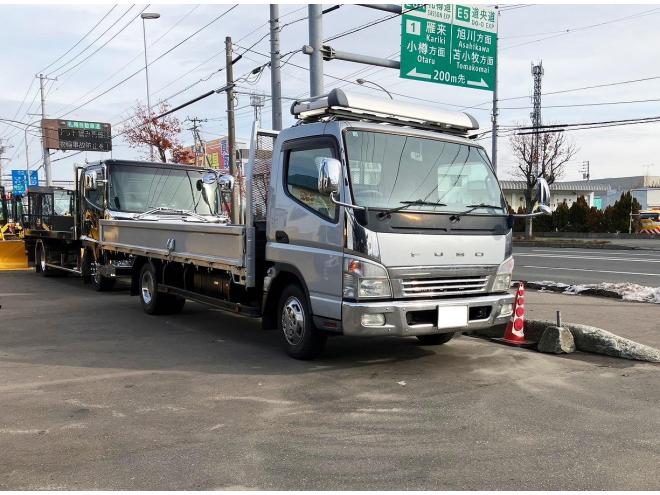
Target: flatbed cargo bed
(212, 245)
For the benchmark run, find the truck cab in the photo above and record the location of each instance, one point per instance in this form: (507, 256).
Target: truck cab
(411, 236)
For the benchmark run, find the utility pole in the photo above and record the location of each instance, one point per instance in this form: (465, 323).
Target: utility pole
(46, 152)
(198, 143)
(275, 73)
(585, 170)
(231, 130)
(257, 101)
(27, 158)
(3, 148)
(496, 111)
(537, 74)
(315, 14)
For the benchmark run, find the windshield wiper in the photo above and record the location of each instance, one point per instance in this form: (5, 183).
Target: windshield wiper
(457, 216)
(407, 204)
(173, 211)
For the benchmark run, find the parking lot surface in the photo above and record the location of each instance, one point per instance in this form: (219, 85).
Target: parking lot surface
(95, 394)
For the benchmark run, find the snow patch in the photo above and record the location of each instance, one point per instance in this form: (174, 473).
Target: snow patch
(627, 291)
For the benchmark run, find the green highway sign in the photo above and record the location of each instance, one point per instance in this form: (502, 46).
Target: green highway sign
(449, 44)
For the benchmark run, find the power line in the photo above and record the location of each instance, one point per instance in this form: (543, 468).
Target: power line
(80, 40)
(179, 21)
(92, 43)
(595, 104)
(24, 98)
(153, 61)
(583, 28)
(557, 126)
(103, 45)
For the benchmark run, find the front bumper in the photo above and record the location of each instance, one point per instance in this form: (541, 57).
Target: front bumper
(408, 318)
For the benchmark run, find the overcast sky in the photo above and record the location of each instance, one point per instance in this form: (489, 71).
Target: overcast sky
(579, 45)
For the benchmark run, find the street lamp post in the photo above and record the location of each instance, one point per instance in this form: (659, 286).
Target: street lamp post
(144, 16)
(362, 82)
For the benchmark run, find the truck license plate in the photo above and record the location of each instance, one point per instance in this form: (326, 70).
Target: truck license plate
(452, 316)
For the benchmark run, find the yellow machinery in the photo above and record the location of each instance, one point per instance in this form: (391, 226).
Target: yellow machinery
(649, 221)
(12, 247)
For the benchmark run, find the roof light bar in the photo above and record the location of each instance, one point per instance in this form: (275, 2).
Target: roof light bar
(363, 107)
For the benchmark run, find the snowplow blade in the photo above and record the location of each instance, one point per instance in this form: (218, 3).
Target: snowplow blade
(12, 255)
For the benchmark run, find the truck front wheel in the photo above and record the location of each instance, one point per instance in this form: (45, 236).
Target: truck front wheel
(152, 301)
(300, 338)
(435, 339)
(99, 282)
(40, 260)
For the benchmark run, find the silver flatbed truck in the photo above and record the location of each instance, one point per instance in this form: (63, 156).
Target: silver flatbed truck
(368, 217)
(61, 227)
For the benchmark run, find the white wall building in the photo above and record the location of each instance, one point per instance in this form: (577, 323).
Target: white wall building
(560, 191)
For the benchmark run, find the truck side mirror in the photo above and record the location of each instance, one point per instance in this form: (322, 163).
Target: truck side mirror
(543, 195)
(90, 180)
(226, 183)
(543, 198)
(329, 176)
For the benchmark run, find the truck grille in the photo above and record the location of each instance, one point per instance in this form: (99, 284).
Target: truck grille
(443, 286)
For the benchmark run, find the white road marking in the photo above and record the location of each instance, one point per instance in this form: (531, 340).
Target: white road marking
(563, 256)
(586, 270)
(11, 431)
(608, 252)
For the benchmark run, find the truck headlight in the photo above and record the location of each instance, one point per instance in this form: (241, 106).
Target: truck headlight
(365, 279)
(503, 277)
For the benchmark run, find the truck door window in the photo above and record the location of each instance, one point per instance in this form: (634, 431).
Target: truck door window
(302, 180)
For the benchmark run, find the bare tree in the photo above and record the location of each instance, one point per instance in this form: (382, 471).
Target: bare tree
(162, 134)
(554, 152)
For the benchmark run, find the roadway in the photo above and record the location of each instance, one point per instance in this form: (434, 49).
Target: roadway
(97, 395)
(586, 266)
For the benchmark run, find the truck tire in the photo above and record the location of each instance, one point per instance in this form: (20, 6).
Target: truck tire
(40, 260)
(152, 301)
(101, 283)
(300, 338)
(435, 339)
(98, 281)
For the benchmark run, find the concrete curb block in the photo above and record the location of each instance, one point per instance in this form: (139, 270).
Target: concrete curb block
(587, 339)
(561, 290)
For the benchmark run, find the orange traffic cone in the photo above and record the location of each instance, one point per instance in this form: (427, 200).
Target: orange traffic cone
(515, 329)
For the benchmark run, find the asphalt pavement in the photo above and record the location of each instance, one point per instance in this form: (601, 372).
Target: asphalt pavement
(577, 266)
(96, 394)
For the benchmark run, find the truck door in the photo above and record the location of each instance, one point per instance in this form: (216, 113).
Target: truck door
(306, 228)
(92, 203)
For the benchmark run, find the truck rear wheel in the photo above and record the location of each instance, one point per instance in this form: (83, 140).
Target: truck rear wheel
(300, 338)
(152, 301)
(435, 339)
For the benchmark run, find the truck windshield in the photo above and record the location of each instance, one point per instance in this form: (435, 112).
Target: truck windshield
(397, 171)
(136, 189)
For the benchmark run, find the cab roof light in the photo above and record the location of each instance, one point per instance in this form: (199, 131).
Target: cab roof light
(364, 107)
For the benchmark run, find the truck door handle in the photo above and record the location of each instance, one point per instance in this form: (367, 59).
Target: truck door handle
(280, 236)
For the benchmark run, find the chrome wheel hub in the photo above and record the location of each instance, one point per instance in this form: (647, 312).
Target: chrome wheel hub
(147, 287)
(293, 321)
